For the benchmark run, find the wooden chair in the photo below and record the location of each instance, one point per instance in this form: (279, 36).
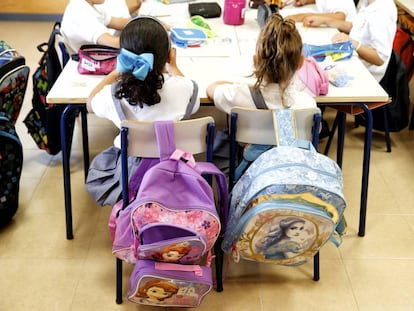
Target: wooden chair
(138, 139)
(255, 126)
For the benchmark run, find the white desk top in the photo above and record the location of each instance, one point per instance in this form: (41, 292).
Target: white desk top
(407, 5)
(226, 57)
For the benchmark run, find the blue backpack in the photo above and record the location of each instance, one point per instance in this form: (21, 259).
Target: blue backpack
(287, 204)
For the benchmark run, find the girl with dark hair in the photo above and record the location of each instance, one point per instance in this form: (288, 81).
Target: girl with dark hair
(149, 86)
(149, 83)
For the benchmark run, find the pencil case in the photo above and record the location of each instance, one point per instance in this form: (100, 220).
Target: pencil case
(198, 22)
(205, 9)
(96, 59)
(337, 51)
(188, 37)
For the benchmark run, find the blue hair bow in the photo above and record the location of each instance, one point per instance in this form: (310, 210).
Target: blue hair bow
(138, 65)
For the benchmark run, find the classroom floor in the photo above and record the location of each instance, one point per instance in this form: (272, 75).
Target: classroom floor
(41, 270)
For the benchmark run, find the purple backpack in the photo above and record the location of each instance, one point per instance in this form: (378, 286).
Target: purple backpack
(173, 217)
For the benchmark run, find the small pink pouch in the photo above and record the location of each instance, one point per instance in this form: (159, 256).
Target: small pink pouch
(314, 77)
(96, 59)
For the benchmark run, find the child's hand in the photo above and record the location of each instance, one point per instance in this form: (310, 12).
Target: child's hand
(340, 37)
(299, 2)
(313, 21)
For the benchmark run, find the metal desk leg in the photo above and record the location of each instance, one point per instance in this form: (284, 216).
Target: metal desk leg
(66, 135)
(365, 170)
(340, 121)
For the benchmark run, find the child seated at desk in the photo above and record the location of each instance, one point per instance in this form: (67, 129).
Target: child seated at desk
(372, 32)
(149, 87)
(277, 59)
(91, 22)
(339, 9)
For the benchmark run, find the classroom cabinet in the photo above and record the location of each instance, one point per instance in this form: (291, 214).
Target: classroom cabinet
(33, 6)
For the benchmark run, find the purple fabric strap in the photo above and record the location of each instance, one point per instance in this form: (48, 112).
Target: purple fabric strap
(164, 131)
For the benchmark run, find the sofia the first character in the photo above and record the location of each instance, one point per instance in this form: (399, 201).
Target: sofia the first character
(156, 291)
(285, 241)
(173, 253)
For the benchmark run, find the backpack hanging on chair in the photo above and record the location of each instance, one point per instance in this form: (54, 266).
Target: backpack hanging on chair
(43, 120)
(171, 226)
(174, 204)
(287, 204)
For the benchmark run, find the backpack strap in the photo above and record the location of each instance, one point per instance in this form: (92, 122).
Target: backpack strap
(257, 98)
(284, 127)
(164, 131)
(117, 102)
(166, 143)
(191, 104)
(220, 186)
(284, 123)
(252, 151)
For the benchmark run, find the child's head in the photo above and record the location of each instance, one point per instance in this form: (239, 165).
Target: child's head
(278, 52)
(145, 46)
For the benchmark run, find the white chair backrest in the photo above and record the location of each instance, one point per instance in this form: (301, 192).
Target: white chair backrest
(190, 136)
(256, 125)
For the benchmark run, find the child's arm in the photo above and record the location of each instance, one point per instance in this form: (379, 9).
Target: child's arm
(318, 20)
(109, 40)
(109, 79)
(212, 87)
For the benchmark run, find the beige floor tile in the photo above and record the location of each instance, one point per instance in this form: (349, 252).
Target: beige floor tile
(38, 284)
(382, 284)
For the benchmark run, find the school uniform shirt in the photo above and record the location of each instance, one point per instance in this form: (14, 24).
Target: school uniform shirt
(83, 24)
(175, 97)
(227, 96)
(375, 26)
(332, 6)
(117, 8)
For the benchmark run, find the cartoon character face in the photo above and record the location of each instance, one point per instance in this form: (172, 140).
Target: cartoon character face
(295, 229)
(157, 293)
(172, 255)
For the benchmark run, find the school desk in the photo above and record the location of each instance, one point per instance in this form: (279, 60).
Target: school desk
(227, 56)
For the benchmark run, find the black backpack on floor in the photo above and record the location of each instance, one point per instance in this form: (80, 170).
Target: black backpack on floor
(14, 75)
(11, 163)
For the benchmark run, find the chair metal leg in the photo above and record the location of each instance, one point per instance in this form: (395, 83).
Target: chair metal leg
(331, 135)
(411, 127)
(118, 281)
(218, 252)
(316, 270)
(341, 137)
(85, 140)
(386, 130)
